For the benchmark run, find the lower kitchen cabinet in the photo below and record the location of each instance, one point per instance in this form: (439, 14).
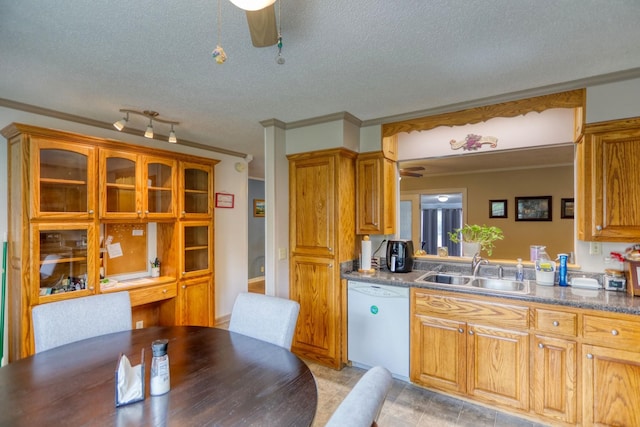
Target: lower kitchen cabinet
(195, 303)
(611, 380)
(555, 378)
(457, 338)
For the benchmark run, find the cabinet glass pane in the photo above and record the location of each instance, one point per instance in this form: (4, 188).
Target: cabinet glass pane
(196, 191)
(159, 201)
(63, 261)
(121, 171)
(159, 175)
(121, 199)
(63, 181)
(196, 248)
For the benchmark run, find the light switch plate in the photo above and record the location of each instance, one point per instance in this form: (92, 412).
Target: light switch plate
(282, 253)
(595, 248)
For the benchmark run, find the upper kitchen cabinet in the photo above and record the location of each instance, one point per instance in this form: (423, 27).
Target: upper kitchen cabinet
(135, 186)
(61, 171)
(608, 168)
(159, 184)
(196, 183)
(375, 194)
(120, 185)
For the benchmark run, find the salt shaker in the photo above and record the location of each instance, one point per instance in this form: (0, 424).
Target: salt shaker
(160, 381)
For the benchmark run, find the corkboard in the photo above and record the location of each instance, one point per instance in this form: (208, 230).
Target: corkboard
(132, 240)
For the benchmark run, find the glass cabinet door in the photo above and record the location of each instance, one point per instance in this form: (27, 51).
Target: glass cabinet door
(159, 184)
(196, 248)
(197, 185)
(63, 180)
(119, 177)
(62, 260)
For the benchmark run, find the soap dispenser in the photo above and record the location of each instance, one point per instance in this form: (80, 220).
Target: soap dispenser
(519, 271)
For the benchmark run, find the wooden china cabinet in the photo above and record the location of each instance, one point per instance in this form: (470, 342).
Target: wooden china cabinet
(322, 224)
(66, 191)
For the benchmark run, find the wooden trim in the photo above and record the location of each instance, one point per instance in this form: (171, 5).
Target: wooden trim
(571, 99)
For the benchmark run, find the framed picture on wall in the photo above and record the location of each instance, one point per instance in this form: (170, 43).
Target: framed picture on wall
(566, 208)
(224, 200)
(533, 208)
(258, 207)
(497, 209)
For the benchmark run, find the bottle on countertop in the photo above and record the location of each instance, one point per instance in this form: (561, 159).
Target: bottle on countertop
(562, 270)
(519, 271)
(160, 381)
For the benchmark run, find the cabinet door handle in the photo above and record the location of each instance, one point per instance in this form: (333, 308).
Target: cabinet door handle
(330, 249)
(90, 288)
(330, 265)
(614, 332)
(589, 356)
(184, 286)
(184, 272)
(540, 345)
(90, 211)
(146, 212)
(556, 323)
(598, 228)
(183, 213)
(470, 332)
(461, 330)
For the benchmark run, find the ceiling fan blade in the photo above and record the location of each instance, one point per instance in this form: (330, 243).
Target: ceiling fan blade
(413, 168)
(262, 26)
(412, 174)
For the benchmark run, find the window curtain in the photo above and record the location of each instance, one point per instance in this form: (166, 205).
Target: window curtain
(430, 231)
(451, 219)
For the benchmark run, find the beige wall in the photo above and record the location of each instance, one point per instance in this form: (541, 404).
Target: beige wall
(557, 182)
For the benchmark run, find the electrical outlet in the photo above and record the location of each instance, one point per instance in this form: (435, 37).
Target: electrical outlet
(595, 248)
(262, 269)
(139, 324)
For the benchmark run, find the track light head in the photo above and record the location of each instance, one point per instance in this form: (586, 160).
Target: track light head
(120, 124)
(172, 136)
(149, 132)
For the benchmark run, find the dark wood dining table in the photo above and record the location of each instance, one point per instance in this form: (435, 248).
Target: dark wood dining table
(218, 378)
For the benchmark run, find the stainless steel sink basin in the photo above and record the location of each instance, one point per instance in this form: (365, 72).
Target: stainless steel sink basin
(445, 278)
(504, 285)
(488, 283)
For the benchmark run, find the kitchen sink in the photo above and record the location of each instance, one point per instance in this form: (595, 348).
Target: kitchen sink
(488, 283)
(505, 285)
(446, 278)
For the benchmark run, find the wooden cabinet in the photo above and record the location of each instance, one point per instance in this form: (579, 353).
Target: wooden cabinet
(58, 180)
(376, 194)
(64, 179)
(476, 348)
(195, 302)
(554, 347)
(611, 379)
(608, 180)
(196, 189)
(322, 224)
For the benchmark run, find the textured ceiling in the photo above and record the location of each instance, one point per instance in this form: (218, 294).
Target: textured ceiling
(373, 59)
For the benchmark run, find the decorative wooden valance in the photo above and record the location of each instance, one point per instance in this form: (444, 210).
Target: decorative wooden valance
(570, 99)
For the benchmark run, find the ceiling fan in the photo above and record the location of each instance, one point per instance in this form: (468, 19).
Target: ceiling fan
(261, 18)
(411, 171)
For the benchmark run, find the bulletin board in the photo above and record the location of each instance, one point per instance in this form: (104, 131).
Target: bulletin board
(126, 248)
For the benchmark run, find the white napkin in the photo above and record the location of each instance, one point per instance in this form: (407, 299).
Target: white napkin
(129, 387)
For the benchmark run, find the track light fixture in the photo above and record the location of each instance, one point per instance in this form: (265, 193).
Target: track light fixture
(152, 116)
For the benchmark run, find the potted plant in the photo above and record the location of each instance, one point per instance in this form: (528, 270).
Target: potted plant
(482, 235)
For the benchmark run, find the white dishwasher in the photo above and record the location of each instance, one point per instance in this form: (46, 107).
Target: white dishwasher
(378, 327)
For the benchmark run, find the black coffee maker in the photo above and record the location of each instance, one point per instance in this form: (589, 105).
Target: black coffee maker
(400, 256)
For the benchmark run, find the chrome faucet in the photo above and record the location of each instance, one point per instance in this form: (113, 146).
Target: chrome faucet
(476, 262)
(500, 272)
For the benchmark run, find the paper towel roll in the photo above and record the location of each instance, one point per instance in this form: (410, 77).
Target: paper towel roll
(366, 253)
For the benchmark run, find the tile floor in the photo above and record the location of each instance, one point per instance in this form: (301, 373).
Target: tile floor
(407, 405)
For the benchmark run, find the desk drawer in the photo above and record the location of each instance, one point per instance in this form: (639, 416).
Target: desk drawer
(148, 294)
(486, 313)
(556, 322)
(616, 333)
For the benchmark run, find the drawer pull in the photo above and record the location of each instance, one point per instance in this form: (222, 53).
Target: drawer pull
(461, 330)
(540, 345)
(164, 291)
(470, 332)
(614, 332)
(556, 323)
(184, 286)
(589, 356)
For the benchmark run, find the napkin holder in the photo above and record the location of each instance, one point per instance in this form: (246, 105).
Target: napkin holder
(129, 381)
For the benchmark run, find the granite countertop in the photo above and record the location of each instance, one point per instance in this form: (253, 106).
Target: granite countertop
(596, 299)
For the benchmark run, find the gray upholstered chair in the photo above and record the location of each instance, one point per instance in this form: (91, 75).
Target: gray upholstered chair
(362, 405)
(266, 318)
(62, 322)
